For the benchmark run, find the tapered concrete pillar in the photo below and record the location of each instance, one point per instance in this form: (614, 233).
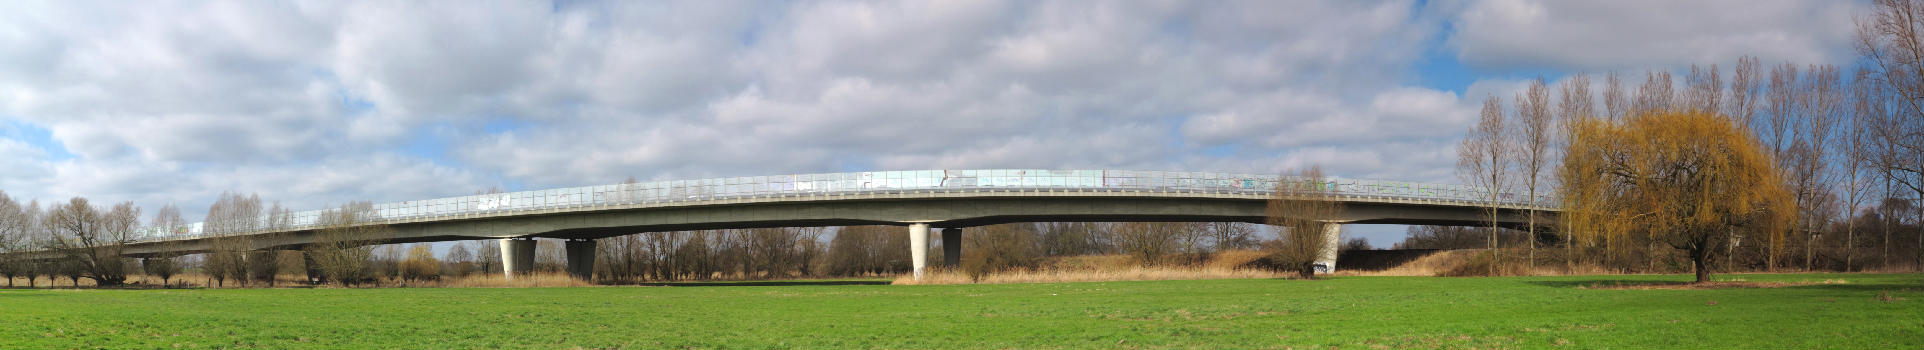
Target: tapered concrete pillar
(517, 256)
(1332, 239)
(951, 247)
(314, 275)
(581, 258)
(919, 248)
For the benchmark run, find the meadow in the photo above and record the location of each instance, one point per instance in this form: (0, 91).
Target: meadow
(1835, 310)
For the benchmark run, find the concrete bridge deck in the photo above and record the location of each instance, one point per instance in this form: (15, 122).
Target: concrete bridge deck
(921, 200)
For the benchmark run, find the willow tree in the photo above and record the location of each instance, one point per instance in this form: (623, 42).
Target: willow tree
(343, 248)
(1308, 214)
(1683, 178)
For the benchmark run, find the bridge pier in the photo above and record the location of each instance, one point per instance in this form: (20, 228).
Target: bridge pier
(581, 258)
(314, 275)
(951, 247)
(919, 248)
(517, 256)
(1332, 240)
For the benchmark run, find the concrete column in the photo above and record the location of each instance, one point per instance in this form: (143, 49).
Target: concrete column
(314, 275)
(919, 248)
(1332, 239)
(581, 258)
(951, 247)
(517, 256)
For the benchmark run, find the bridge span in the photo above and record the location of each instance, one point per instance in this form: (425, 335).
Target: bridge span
(948, 200)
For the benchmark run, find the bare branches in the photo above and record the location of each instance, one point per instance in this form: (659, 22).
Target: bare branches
(90, 240)
(343, 248)
(1615, 105)
(1703, 90)
(1654, 95)
(1485, 157)
(1742, 104)
(1307, 212)
(1533, 145)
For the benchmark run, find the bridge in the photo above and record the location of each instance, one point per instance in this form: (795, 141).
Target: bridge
(948, 200)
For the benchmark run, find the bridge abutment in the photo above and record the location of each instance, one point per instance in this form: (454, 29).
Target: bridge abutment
(919, 248)
(581, 258)
(517, 256)
(951, 247)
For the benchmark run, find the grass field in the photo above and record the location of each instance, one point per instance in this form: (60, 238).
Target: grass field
(1366, 312)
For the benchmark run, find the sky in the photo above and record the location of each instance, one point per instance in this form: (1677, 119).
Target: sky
(317, 103)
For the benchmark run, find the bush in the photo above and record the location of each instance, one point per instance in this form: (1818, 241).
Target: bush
(997, 248)
(420, 264)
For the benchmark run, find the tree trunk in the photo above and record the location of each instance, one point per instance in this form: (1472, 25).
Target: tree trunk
(1700, 258)
(1703, 272)
(1308, 271)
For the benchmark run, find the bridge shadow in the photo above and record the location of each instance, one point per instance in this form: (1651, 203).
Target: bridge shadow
(760, 284)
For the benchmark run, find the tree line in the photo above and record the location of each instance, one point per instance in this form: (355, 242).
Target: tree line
(1779, 166)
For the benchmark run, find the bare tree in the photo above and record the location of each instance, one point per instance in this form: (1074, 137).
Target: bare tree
(14, 226)
(866, 250)
(1533, 147)
(229, 221)
(1615, 105)
(460, 260)
(1075, 238)
(486, 256)
(1655, 94)
(32, 237)
(808, 249)
(92, 240)
(168, 220)
(1306, 211)
(1445, 237)
(999, 248)
(343, 246)
(265, 265)
(1704, 90)
(1821, 106)
(1742, 104)
(1889, 42)
(1779, 133)
(1484, 160)
(1231, 235)
(1149, 243)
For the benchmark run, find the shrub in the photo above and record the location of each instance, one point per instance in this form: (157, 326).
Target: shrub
(997, 248)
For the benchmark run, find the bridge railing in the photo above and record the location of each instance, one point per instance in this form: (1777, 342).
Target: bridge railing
(839, 184)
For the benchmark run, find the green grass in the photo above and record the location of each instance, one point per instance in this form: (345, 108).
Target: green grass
(1523, 312)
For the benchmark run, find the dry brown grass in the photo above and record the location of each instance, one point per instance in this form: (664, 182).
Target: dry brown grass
(1096, 268)
(1428, 265)
(1732, 284)
(499, 281)
(1130, 274)
(1475, 262)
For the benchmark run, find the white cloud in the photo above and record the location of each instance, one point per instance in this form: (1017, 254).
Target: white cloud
(1603, 35)
(318, 103)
